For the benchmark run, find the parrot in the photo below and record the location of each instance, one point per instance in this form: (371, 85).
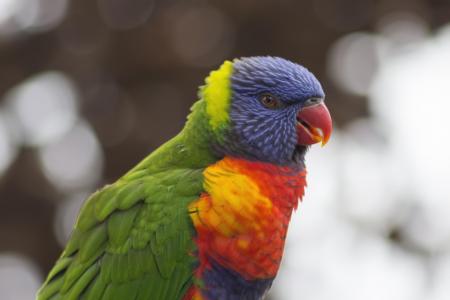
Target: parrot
(205, 215)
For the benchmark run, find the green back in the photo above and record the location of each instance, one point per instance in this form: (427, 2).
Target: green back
(133, 239)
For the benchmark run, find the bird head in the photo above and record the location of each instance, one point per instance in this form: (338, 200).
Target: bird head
(267, 109)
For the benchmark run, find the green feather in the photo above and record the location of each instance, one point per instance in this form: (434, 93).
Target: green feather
(134, 239)
(82, 283)
(96, 289)
(120, 224)
(51, 288)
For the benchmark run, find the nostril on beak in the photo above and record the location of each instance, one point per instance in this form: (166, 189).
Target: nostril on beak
(313, 101)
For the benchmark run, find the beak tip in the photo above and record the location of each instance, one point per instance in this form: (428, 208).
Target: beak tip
(325, 140)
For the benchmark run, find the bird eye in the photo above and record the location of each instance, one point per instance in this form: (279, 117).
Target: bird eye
(270, 101)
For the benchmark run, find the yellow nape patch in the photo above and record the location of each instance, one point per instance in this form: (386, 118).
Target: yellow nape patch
(217, 94)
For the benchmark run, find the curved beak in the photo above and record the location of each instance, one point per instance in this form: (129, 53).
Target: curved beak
(314, 125)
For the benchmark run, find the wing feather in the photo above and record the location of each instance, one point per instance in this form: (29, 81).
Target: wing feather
(132, 240)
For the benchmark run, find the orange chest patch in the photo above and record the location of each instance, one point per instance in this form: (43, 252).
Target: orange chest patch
(242, 219)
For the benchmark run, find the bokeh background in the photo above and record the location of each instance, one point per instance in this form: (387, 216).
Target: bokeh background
(88, 88)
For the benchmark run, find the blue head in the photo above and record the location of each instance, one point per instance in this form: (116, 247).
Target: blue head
(267, 97)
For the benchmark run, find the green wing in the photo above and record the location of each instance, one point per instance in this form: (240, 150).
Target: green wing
(132, 241)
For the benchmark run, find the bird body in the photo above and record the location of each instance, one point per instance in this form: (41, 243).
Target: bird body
(205, 216)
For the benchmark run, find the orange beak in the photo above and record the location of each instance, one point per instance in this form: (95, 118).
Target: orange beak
(314, 125)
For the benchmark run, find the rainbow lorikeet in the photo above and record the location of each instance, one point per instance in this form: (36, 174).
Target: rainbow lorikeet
(205, 215)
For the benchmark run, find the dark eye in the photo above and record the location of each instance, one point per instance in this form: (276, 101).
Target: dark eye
(270, 101)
